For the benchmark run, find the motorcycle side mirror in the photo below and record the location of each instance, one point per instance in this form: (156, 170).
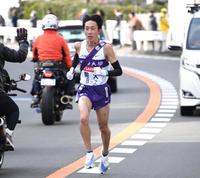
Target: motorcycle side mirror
(25, 77)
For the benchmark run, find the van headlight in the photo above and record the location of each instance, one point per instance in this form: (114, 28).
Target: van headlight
(187, 94)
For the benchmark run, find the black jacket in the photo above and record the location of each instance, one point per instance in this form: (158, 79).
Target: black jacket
(11, 55)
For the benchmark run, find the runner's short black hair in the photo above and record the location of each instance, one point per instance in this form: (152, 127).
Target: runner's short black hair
(96, 18)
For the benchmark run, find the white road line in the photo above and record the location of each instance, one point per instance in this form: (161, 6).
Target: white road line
(143, 136)
(172, 89)
(164, 115)
(175, 103)
(112, 159)
(123, 150)
(149, 130)
(166, 87)
(153, 124)
(94, 170)
(168, 107)
(166, 111)
(154, 119)
(133, 142)
(170, 93)
(166, 99)
(169, 96)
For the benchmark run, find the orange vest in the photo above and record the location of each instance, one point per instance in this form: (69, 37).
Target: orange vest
(51, 46)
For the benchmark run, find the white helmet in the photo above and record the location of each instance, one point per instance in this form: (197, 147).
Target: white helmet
(50, 21)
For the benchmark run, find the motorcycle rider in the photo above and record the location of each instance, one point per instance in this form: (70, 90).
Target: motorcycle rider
(8, 107)
(50, 46)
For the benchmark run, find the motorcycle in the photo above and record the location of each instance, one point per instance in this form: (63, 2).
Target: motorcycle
(52, 98)
(8, 86)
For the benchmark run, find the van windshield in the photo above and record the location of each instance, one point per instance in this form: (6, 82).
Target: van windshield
(72, 34)
(193, 40)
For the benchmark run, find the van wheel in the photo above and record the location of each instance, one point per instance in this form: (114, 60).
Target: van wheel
(186, 110)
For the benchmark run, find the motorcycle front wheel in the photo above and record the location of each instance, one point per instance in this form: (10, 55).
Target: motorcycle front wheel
(1, 158)
(48, 105)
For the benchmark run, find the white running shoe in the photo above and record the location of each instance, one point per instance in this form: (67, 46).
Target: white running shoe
(104, 164)
(89, 163)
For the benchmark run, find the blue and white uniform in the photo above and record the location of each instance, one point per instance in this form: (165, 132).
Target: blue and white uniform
(87, 74)
(93, 86)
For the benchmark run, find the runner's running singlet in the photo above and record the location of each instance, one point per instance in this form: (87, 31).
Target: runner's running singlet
(87, 74)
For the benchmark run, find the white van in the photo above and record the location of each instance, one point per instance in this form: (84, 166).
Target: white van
(189, 73)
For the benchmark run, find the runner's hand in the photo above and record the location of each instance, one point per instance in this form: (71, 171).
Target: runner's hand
(70, 74)
(99, 71)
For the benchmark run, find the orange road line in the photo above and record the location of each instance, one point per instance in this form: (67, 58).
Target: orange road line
(142, 119)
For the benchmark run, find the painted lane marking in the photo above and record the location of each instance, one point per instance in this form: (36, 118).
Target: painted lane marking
(150, 130)
(112, 159)
(95, 170)
(166, 110)
(123, 150)
(169, 100)
(175, 103)
(133, 142)
(169, 96)
(151, 124)
(168, 107)
(143, 136)
(154, 119)
(170, 93)
(164, 115)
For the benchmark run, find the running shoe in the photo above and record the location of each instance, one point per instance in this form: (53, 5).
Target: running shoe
(89, 163)
(104, 164)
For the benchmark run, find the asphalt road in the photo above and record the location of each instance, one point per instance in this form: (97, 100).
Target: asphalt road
(165, 146)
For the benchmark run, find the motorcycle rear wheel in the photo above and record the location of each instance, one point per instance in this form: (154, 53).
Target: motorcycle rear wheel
(48, 106)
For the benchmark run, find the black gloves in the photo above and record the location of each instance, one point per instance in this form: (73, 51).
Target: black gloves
(21, 35)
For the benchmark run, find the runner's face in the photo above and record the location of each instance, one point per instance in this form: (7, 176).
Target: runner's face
(91, 31)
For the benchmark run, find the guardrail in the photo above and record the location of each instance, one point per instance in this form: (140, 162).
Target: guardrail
(143, 39)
